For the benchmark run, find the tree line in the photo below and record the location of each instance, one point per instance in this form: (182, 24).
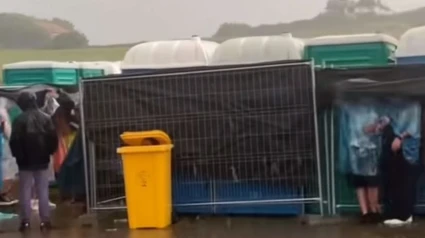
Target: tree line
(338, 17)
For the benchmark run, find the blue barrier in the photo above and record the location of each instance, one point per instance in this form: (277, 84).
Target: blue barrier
(411, 60)
(218, 197)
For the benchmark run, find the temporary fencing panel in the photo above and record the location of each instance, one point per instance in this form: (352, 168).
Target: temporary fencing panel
(245, 136)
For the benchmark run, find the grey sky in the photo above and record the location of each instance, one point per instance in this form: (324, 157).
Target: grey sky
(123, 21)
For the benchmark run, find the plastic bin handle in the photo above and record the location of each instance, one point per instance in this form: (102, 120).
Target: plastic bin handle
(140, 138)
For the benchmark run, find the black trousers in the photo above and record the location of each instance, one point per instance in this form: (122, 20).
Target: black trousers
(399, 186)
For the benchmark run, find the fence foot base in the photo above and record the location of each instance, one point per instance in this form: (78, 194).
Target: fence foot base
(88, 220)
(314, 220)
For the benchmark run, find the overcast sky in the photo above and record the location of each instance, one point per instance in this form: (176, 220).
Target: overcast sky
(126, 21)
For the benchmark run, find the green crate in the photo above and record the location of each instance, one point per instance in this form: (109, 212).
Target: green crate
(28, 73)
(90, 71)
(351, 54)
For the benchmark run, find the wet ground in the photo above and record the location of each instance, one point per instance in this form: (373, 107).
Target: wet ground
(69, 225)
(234, 228)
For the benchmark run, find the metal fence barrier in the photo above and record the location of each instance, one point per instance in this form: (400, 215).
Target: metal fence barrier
(246, 138)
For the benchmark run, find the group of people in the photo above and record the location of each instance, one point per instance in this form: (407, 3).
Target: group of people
(33, 141)
(384, 160)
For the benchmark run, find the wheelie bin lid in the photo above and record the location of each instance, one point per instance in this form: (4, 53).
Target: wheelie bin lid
(137, 138)
(137, 141)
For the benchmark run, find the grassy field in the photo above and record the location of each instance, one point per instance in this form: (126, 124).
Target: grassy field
(89, 54)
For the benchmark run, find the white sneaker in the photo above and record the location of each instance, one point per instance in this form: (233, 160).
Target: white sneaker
(397, 222)
(6, 201)
(52, 205)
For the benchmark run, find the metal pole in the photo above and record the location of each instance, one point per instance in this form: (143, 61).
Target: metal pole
(83, 134)
(316, 132)
(328, 178)
(333, 162)
(93, 184)
(245, 202)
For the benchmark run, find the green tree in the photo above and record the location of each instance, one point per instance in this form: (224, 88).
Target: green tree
(371, 4)
(337, 6)
(20, 32)
(63, 23)
(233, 29)
(70, 40)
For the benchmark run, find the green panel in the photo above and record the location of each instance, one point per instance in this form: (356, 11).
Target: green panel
(352, 55)
(345, 194)
(55, 76)
(346, 199)
(91, 73)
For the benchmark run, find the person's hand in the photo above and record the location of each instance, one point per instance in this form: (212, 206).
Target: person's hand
(52, 93)
(2, 124)
(396, 145)
(404, 135)
(370, 129)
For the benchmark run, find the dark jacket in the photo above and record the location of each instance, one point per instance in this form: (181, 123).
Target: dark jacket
(34, 138)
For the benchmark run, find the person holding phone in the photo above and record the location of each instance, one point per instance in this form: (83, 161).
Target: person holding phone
(399, 175)
(399, 178)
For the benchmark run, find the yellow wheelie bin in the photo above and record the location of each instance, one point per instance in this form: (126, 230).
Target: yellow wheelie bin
(147, 173)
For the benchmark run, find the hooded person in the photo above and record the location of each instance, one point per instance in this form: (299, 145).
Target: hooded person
(33, 140)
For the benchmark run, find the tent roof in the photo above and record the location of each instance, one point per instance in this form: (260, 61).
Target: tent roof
(398, 80)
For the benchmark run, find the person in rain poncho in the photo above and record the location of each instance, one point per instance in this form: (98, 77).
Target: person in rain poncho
(9, 168)
(32, 142)
(361, 160)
